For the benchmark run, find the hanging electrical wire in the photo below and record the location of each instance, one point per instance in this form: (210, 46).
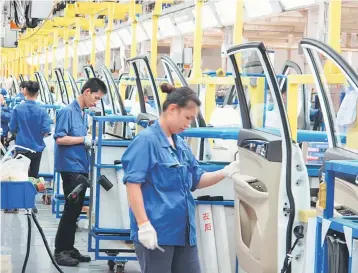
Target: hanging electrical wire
(22, 14)
(19, 12)
(39, 28)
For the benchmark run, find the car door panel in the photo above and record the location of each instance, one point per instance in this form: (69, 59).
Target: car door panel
(62, 86)
(42, 95)
(267, 145)
(341, 139)
(266, 207)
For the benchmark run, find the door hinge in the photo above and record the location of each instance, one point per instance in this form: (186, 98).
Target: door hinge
(286, 209)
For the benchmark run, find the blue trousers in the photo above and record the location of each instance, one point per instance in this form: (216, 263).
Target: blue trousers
(175, 259)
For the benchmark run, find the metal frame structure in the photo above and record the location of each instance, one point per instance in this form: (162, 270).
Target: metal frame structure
(328, 221)
(95, 233)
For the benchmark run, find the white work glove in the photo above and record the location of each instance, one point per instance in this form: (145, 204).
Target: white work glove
(88, 142)
(231, 169)
(147, 236)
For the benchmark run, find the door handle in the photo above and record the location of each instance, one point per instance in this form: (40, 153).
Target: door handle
(257, 146)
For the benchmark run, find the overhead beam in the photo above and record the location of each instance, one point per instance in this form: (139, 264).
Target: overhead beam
(282, 20)
(349, 30)
(294, 13)
(271, 33)
(347, 5)
(97, 8)
(270, 28)
(188, 44)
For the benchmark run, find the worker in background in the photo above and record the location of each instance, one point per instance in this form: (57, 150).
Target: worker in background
(52, 90)
(3, 92)
(21, 96)
(160, 173)
(30, 123)
(5, 119)
(149, 106)
(71, 159)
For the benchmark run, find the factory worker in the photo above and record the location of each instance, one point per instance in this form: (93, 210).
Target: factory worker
(347, 113)
(21, 96)
(30, 123)
(135, 110)
(5, 116)
(72, 159)
(3, 92)
(52, 92)
(6, 96)
(160, 173)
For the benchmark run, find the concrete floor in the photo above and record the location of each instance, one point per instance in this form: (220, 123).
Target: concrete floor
(14, 239)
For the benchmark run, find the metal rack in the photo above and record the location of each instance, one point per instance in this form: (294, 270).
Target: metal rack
(346, 225)
(119, 256)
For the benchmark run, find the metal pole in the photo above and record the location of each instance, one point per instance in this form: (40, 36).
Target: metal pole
(198, 39)
(75, 49)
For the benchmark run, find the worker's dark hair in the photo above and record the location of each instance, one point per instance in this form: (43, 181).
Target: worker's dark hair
(23, 84)
(32, 87)
(95, 85)
(180, 96)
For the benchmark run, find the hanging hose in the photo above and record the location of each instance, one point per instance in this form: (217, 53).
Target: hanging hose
(28, 242)
(45, 242)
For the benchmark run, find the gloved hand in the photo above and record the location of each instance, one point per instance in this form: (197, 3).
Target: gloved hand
(147, 236)
(88, 142)
(231, 169)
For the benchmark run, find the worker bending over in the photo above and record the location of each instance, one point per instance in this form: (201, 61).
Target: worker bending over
(30, 123)
(160, 173)
(71, 160)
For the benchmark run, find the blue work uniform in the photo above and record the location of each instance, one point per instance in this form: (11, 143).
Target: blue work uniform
(167, 176)
(71, 121)
(5, 95)
(5, 119)
(3, 92)
(30, 122)
(19, 97)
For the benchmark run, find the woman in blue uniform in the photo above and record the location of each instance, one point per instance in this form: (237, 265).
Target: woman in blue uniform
(160, 173)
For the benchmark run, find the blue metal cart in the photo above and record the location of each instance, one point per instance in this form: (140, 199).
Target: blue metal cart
(337, 224)
(119, 256)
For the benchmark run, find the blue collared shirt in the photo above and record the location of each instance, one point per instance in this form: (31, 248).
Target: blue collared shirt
(71, 121)
(19, 97)
(5, 119)
(30, 122)
(167, 177)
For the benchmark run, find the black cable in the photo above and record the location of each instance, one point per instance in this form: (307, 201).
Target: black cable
(298, 231)
(45, 242)
(287, 262)
(28, 242)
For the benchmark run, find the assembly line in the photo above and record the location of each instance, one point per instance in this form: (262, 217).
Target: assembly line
(163, 166)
